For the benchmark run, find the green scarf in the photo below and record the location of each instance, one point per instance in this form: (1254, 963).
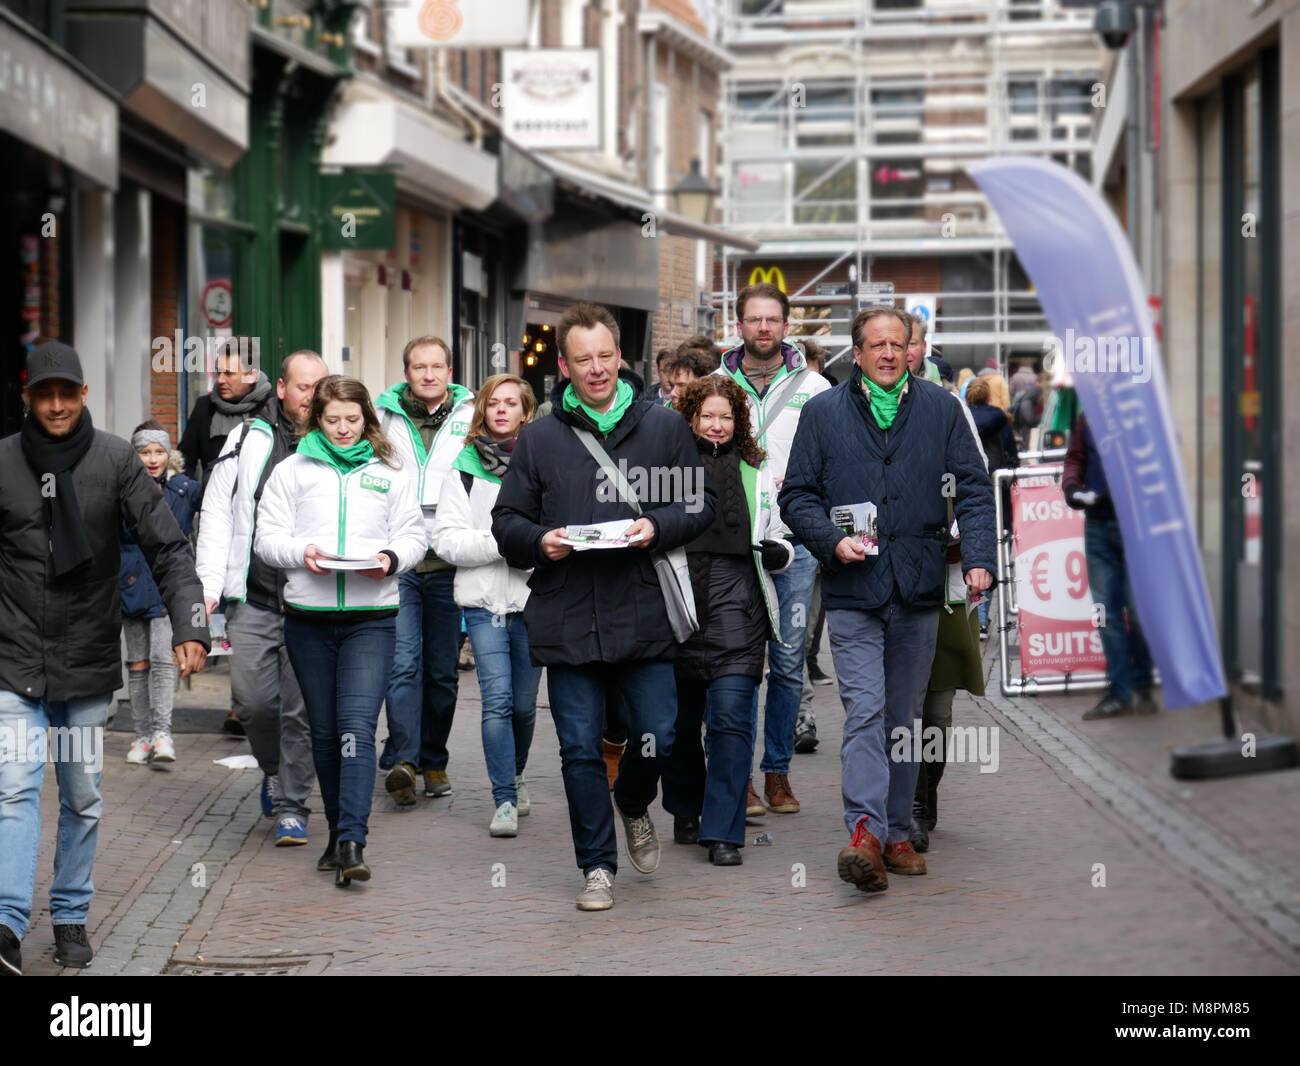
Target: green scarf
(611, 418)
(884, 402)
(317, 446)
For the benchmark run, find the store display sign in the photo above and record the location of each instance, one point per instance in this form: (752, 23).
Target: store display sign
(551, 97)
(46, 103)
(457, 23)
(358, 211)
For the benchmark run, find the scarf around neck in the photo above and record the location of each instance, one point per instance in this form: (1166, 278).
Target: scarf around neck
(494, 456)
(612, 417)
(315, 445)
(69, 542)
(227, 414)
(884, 402)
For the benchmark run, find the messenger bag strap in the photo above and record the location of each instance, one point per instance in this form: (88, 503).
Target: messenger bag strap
(607, 464)
(787, 390)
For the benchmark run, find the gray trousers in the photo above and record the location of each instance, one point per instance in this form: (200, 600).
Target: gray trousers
(269, 703)
(882, 662)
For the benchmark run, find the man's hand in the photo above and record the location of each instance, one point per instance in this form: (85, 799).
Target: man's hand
(309, 560)
(644, 527)
(379, 572)
(849, 550)
(189, 657)
(553, 546)
(1079, 500)
(210, 605)
(978, 581)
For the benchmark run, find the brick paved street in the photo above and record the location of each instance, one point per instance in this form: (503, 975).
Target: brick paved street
(1200, 877)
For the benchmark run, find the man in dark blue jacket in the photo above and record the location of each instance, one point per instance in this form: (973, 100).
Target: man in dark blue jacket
(886, 440)
(596, 619)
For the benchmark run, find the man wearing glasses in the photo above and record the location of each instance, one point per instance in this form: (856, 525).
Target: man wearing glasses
(903, 445)
(777, 382)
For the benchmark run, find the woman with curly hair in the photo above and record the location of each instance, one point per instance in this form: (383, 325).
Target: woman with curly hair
(718, 669)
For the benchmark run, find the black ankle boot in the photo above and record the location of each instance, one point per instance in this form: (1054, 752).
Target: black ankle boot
(352, 866)
(686, 829)
(723, 854)
(330, 859)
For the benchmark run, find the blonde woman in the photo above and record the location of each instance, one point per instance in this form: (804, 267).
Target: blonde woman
(341, 498)
(492, 592)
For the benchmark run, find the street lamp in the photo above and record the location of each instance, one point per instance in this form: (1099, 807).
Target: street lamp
(694, 195)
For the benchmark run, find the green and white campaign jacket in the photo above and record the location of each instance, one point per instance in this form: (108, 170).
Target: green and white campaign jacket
(357, 513)
(760, 497)
(780, 434)
(462, 536)
(430, 467)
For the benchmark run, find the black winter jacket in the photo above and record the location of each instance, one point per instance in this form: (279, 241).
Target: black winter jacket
(601, 605)
(197, 445)
(841, 456)
(61, 639)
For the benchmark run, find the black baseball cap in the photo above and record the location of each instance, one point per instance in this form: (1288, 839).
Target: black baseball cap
(53, 359)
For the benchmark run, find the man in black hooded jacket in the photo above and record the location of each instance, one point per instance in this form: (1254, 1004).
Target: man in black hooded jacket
(596, 619)
(65, 490)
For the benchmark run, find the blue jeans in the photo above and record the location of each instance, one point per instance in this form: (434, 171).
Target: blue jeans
(1128, 660)
(78, 766)
(421, 697)
(508, 681)
(578, 695)
(794, 588)
(882, 662)
(725, 707)
(342, 668)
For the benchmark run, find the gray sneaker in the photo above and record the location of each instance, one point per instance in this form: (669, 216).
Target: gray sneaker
(598, 893)
(642, 842)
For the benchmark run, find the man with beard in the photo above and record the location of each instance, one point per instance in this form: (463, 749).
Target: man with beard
(777, 382)
(263, 686)
(239, 394)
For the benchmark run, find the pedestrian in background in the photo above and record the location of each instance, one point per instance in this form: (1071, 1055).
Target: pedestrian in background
(65, 490)
(426, 417)
(492, 592)
(719, 668)
(998, 442)
(263, 685)
(1129, 671)
(597, 620)
(146, 627)
(888, 439)
(240, 392)
(342, 492)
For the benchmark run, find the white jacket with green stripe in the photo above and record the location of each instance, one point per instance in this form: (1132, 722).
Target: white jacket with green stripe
(357, 513)
(779, 436)
(429, 466)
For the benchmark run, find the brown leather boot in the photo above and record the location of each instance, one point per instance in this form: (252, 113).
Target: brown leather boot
(776, 787)
(613, 753)
(861, 863)
(753, 805)
(901, 859)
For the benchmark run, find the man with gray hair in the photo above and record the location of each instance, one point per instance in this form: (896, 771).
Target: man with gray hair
(263, 686)
(871, 473)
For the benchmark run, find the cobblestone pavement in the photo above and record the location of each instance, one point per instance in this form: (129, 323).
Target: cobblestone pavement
(1199, 877)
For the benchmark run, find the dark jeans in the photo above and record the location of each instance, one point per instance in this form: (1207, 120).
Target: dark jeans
(422, 694)
(343, 669)
(726, 708)
(1128, 661)
(578, 697)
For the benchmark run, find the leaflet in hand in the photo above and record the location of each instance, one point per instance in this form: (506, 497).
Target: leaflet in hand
(600, 535)
(858, 520)
(327, 561)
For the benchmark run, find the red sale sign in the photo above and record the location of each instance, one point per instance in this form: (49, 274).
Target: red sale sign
(1057, 630)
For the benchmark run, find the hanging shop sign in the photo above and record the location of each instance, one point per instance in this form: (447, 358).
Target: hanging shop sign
(358, 211)
(550, 97)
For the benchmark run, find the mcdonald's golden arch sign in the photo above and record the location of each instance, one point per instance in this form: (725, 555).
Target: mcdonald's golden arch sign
(767, 276)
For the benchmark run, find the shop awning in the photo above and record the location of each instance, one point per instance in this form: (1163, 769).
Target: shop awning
(431, 162)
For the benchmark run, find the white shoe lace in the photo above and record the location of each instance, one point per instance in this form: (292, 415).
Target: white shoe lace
(642, 830)
(599, 879)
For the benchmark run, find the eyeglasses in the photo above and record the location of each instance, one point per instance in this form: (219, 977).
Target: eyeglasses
(880, 347)
(752, 322)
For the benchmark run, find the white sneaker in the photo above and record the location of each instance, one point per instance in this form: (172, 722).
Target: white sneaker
(505, 823)
(598, 895)
(163, 749)
(140, 750)
(522, 803)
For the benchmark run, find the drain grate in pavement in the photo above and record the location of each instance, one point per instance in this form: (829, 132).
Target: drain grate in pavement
(248, 967)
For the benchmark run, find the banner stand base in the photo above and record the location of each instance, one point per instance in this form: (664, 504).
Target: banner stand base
(1223, 758)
